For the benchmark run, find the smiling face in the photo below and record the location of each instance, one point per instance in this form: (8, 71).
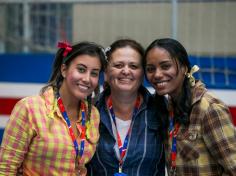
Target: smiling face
(81, 76)
(164, 73)
(124, 72)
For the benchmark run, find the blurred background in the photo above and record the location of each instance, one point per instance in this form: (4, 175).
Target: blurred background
(30, 30)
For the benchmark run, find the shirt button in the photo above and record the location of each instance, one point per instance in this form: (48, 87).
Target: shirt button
(192, 136)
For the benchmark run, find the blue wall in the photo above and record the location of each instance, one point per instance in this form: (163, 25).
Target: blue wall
(216, 72)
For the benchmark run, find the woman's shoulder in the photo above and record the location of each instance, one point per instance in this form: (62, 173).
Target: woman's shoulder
(210, 100)
(203, 98)
(30, 100)
(211, 109)
(101, 100)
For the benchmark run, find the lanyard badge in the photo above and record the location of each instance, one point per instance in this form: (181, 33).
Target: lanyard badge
(174, 128)
(120, 174)
(65, 116)
(122, 148)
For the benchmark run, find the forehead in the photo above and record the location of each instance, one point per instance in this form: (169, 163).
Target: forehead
(88, 61)
(158, 53)
(125, 54)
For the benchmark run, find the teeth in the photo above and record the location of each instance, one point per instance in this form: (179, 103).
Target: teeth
(161, 84)
(125, 80)
(83, 87)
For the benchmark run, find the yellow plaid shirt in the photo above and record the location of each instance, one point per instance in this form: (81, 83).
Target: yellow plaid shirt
(37, 139)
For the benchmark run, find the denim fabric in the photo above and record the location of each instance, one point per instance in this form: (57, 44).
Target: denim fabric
(145, 153)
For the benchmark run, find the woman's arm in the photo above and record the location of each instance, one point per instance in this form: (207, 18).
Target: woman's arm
(220, 137)
(15, 140)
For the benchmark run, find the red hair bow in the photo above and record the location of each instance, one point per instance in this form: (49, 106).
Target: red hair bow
(67, 47)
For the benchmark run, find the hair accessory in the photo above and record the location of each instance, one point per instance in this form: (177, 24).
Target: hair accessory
(67, 47)
(105, 52)
(107, 49)
(190, 76)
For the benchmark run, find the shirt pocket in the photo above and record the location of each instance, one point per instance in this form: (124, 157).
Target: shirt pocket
(187, 145)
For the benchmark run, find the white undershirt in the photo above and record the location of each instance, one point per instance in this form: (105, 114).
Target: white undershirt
(122, 127)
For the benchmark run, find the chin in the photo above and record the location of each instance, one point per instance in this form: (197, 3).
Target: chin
(161, 92)
(82, 96)
(125, 88)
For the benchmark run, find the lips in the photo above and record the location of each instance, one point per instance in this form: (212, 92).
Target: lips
(125, 80)
(161, 85)
(83, 87)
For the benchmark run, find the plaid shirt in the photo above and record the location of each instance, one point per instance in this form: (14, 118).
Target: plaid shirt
(208, 146)
(37, 138)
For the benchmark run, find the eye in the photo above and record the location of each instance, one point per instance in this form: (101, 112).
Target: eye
(81, 69)
(118, 65)
(150, 69)
(134, 67)
(166, 66)
(95, 73)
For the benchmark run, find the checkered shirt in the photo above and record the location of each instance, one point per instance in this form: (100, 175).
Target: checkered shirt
(37, 139)
(207, 147)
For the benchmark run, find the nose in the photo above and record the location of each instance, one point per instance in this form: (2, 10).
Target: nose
(158, 74)
(125, 69)
(86, 77)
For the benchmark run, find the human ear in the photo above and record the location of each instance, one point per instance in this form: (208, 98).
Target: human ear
(185, 70)
(63, 70)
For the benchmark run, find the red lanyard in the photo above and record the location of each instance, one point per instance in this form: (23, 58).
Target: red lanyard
(122, 149)
(65, 116)
(173, 134)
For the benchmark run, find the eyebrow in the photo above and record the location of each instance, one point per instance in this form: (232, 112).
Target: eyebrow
(132, 62)
(97, 69)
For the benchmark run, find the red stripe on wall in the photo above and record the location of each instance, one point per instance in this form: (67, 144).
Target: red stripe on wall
(7, 104)
(233, 112)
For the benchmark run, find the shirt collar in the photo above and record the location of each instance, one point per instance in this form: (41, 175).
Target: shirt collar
(198, 91)
(51, 103)
(52, 107)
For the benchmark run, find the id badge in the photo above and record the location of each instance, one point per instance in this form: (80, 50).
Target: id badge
(120, 174)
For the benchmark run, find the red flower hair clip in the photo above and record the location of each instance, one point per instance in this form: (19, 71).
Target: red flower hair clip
(67, 47)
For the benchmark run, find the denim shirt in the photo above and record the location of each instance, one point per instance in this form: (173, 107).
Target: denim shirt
(145, 152)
